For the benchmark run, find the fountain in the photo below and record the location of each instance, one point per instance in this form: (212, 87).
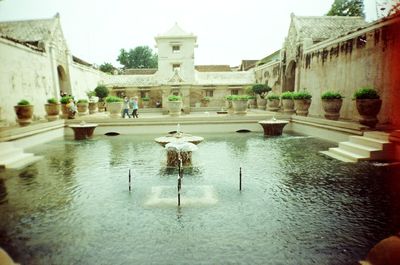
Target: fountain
(83, 130)
(273, 127)
(179, 149)
(179, 136)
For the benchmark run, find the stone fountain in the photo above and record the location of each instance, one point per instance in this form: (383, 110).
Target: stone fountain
(273, 127)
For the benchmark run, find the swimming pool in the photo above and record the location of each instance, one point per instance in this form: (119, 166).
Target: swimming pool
(296, 205)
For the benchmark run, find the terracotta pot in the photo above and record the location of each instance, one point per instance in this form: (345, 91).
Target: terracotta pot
(302, 106)
(332, 108)
(66, 113)
(102, 106)
(52, 111)
(368, 110)
(252, 103)
(82, 108)
(115, 109)
(261, 103)
(93, 107)
(24, 114)
(239, 106)
(174, 108)
(288, 106)
(273, 104)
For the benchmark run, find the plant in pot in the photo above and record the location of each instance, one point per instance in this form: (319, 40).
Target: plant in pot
(145, 102)
(368, 104)
(65, 110)
(287, 102)
(24, 112)
(261, 90)
(239, 104)
(93, 100)
(174, 105)
(114, 106)
(82, 105)
(228, 103)
(52, 109)
(332, 103)
(204, 101)
(101, 92)
(302, 102)
(273, 101)
(251, 102)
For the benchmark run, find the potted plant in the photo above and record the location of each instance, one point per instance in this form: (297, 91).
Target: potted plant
(174, 105)
(287, 102)
(228, 103)
(82, 105)
(93, 100)
(114, 106)
(251, 102)
(145, 102)
(239, 104)
(261, 90)
(101, 92)
(204, 101)
(52, 109)
(273, 101)
(302, 102)
(368, 104)
(332, 103)
(24, 112)
(64, 108)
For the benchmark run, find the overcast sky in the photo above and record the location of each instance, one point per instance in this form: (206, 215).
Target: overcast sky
(227, 30)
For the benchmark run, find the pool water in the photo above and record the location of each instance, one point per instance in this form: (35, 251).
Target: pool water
(296, 205)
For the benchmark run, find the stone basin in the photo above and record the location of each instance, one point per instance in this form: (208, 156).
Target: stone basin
(83, 131)
(273, 127)
(179, 137)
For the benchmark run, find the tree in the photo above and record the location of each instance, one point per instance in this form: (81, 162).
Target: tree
(107, 68)
(351, 8)
(140, 57)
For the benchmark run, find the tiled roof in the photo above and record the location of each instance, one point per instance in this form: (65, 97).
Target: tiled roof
(270, 58)
(131, 80)
(27, 30)
(175, 31)
(247, 64)
(225, 78)
(213, 68)
(325, 27)
(147, 71)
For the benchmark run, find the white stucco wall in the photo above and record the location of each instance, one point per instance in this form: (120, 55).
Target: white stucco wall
(24, 74)
(84, 79)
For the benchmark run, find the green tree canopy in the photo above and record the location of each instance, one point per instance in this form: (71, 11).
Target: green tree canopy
(107, 68)
(140, 57)
(347, 8)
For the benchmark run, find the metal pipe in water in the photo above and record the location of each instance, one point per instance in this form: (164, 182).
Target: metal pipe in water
(240, 178)
(129, 179)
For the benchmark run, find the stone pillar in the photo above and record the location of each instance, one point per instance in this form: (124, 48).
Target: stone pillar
(54, 73)
(69, 74)
(185, 90)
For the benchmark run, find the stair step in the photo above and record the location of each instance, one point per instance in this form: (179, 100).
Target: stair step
(377, 135)
(10, 152)
(24, 163)
(337, 156)
(15, 158)
(357, 148)
(366, 141)
(347, 154)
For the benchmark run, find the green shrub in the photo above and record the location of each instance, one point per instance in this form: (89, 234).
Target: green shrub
(251, 97)
(206, 99)
(331, 95)
(112, 99)
(229, 98)
(261, 89)
(174, 98)
(90, 93)
(240, 97)
(249, 91)
(302, 95)
(366, 93)
(52, 101)
(101, 92)
(65, 99)
(272, 96)
(145, 99)
(23, 102)
(83, 101)
(287, 95)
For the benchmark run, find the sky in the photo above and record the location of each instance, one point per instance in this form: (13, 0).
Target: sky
(227, 31)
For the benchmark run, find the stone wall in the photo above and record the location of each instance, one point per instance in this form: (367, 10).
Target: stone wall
(84, 79)
(24, 74)
(359, 59)
(269, 74)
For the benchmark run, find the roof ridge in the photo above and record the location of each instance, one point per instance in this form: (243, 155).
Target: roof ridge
(28, 20)
(334, 17)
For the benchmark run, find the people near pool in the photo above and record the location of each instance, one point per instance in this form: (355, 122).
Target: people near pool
(134, 106)
(71, 108)
(125, 110)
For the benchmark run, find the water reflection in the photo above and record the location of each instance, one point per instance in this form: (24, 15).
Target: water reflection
(3, 191)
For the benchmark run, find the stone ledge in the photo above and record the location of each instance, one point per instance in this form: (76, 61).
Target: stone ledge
(15, 133)
(341, 126)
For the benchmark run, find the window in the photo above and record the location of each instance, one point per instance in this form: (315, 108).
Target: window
(176, 66)
(209, 93)
(235, 92)
(176, 48)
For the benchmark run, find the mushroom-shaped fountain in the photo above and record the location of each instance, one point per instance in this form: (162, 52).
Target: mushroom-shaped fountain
(273, 126)
(180, 149)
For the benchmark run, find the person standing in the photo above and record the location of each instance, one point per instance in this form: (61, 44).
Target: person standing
(125, 108)
(135, 107)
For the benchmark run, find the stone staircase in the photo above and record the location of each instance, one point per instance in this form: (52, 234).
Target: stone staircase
(12, 157)
(371, 146)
